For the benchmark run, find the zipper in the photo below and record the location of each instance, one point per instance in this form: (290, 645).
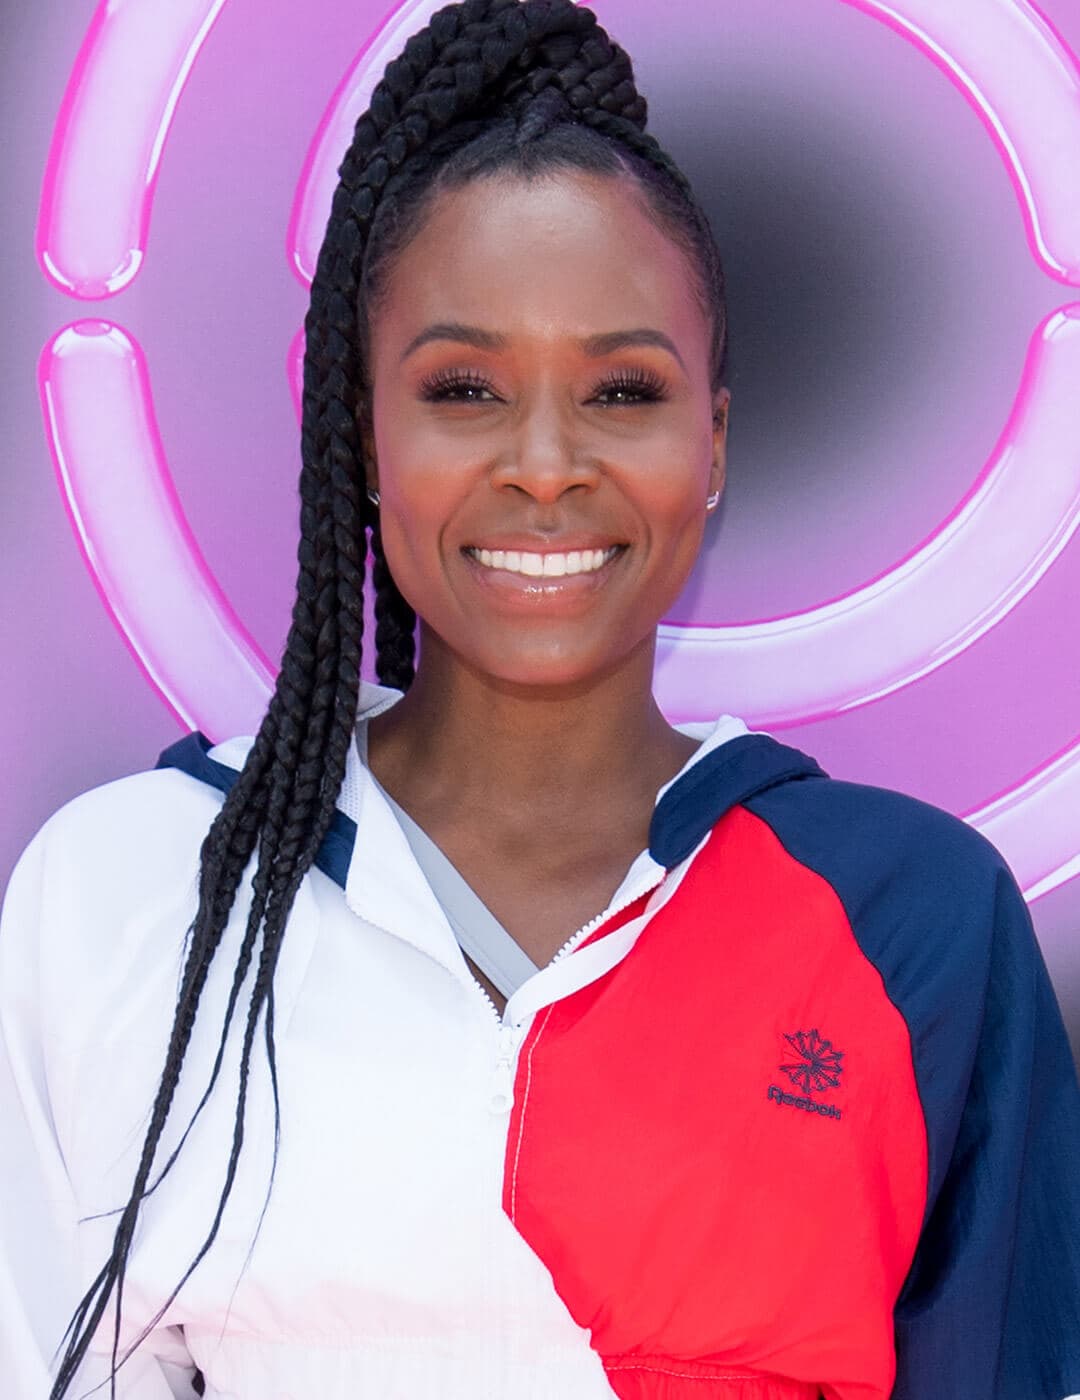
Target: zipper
(568, 947)
(486, 995)
(510, 1036)
(501, 1096)
(611, 912)
(602, 918)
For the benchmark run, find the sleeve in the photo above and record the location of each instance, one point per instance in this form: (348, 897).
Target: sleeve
(991, 1307)
(40, 1280)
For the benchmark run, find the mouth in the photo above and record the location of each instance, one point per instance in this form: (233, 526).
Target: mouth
(528, 564)
(549, 582)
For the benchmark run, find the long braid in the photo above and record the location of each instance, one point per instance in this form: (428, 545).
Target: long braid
(475, 67)
(307, 689)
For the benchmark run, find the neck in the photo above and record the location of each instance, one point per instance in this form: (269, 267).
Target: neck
(505, 751)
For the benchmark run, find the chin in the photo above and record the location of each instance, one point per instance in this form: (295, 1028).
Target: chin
(550, 672)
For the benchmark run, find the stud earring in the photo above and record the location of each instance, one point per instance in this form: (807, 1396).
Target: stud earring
(711, 502)
(373, 496)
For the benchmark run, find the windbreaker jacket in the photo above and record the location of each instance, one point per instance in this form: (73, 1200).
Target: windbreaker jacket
(794, 1117)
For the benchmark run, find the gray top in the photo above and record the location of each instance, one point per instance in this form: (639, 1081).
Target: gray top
(478, 931)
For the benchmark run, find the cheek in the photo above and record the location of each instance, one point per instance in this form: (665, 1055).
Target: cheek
(672, 489)
(422, 480)
(422, 489)
(411, 522)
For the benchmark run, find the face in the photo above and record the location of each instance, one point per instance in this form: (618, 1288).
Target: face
(544, 436)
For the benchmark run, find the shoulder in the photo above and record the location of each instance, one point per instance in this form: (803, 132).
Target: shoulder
(131, 831)
(853, 831)
(927, 897)
(863, 838)
(96, 915)
(104, 870)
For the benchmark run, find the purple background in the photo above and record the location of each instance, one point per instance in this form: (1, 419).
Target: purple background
(882, 299)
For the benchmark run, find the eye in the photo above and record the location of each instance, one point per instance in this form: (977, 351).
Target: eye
(633, 386)
(454, 386)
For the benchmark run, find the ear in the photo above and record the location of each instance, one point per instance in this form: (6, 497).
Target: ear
(718, 470)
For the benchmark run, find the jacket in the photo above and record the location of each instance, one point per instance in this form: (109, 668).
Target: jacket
(795, 1116)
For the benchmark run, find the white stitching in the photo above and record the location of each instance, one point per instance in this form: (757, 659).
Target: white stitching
(524, 1105)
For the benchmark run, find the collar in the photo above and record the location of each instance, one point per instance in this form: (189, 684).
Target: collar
(731, 764)
(366, 852)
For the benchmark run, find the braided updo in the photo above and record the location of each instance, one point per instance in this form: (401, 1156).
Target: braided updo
(516, 86)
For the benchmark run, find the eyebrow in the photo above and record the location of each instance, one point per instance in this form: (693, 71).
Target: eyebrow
(594, 345)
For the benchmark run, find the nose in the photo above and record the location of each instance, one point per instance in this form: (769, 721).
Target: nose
(546, 455)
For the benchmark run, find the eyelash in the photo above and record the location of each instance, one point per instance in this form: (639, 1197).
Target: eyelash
(648, 387)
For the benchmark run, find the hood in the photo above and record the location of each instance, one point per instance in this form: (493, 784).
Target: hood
(729, 774)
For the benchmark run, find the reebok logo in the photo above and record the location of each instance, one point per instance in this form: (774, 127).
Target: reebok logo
(826, 1110)
(816, 1068)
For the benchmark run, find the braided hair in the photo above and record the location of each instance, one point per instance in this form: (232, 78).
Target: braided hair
(489, 86)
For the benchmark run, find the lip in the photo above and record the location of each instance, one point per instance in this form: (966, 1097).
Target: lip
(545, 544)
(548, 591)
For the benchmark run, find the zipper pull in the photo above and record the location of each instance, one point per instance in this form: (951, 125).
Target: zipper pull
(509, 1039)
(502, 1085)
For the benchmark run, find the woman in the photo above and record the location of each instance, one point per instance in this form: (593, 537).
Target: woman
(791, 1114)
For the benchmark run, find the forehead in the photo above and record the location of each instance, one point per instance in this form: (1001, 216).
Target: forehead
(564, 253)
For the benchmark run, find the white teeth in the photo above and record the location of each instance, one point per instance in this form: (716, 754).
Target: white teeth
(577, 561)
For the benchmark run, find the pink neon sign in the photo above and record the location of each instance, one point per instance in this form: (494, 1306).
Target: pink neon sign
(128, 519)
(950, 590)
(109, 136)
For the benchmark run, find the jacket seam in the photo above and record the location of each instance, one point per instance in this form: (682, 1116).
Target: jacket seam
(524, 1107)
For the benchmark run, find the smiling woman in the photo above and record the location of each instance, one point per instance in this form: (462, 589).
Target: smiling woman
(534, 971)
(584, 421)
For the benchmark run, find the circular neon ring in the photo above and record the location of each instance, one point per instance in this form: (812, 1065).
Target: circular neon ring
(87, 256)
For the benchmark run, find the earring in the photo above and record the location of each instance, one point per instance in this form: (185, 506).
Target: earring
(373, 496)
(711, 502)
